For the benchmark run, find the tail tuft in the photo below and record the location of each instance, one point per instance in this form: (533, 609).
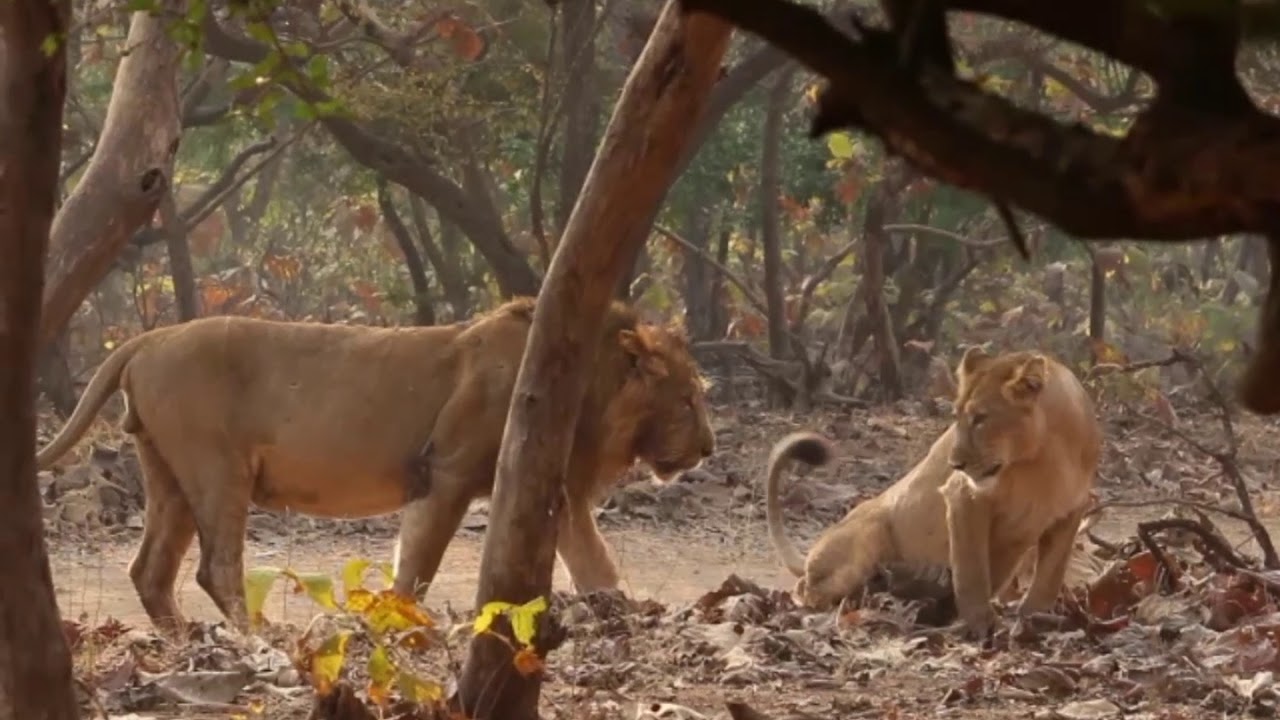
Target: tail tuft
(807, 447)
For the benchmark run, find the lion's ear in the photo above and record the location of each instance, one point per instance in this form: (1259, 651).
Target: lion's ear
(642, 352)
(973, 358)
(1029, 379)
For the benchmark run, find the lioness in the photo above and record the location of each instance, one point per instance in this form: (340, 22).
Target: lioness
(335, 420)
(1013, 472)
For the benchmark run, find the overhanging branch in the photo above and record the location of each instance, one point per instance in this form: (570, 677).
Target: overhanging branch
(1214, 178)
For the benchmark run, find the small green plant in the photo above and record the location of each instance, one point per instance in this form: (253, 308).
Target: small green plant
(393, 624)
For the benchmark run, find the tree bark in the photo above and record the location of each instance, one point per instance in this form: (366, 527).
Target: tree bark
(581, 103)
(423, 314)
(35, 663)
(448, 271)
(876, 239)
(636, 164)
(184, 275)
(130, 172)
(770, 230)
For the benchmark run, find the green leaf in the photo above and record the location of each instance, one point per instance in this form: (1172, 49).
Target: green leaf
(418, 690)
(841, 145)
(261, 32)
(142, 5)
(318, 586)
(50, 44)
(353, 574)
(257, 586)
(318, 70)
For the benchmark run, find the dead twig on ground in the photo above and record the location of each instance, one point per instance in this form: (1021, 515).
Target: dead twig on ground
(1228, 457)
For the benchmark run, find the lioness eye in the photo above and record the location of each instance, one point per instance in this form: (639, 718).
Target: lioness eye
(977, 419)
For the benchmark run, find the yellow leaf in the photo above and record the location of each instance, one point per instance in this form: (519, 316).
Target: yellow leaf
(392, 611)
(987, 307)
(358, 601)
(415, 689)
(527, 662)
(353, 574)
(841, 145)
(488, 614)
(524, 619)
(317, 586)
(1227, 346)
(415, 640)
(326, 666)
(257, 586)
(382, 672)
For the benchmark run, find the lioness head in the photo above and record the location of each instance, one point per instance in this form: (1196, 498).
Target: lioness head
(665, 398)
(997, 417)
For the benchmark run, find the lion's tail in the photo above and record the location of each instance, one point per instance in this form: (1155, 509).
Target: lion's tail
(811, 449)
(106, 380)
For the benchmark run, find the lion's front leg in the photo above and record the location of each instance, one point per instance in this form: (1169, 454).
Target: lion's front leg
(583, 549)
(1053, 553)
(969, 535)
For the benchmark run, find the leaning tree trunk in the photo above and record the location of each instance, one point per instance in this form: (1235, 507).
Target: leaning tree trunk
(35, 664)
(635, 166)
(129, 174)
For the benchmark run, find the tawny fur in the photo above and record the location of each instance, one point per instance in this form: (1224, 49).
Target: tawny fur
(332, 420)
(1009, 489)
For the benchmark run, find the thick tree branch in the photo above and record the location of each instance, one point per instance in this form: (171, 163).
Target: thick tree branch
(1216, 179)
(129, 173)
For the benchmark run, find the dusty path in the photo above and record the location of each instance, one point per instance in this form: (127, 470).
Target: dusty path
(670, 566)
(667, 564)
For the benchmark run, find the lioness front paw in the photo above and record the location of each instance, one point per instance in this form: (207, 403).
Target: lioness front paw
(978, 624)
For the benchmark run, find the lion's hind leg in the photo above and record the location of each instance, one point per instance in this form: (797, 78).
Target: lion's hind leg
(426, 527)
(166, 535)
(846, 556)
(218, 485)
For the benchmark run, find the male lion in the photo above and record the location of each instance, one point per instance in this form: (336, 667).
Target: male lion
(338, 421)
(1011, 477)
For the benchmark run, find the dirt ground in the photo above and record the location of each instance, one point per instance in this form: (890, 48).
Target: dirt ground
(675, 544)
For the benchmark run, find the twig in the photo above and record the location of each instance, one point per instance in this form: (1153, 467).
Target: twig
(1214, 545)
(945, 234)
(1203, 507)
(1226, 459)
(747, 293)
(1101, 369)
(1146, 533)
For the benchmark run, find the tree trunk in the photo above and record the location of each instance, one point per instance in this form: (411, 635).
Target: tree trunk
(580, 103)
(635, 166)
(35, 664)
(423, 312)
(770, 189)
(879, 205)
(56, 381)
(1097, 299)
(448, 270)
(184, 275)
(697, 272)
(131, 169)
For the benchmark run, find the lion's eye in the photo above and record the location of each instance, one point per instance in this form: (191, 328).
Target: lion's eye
(977, 419)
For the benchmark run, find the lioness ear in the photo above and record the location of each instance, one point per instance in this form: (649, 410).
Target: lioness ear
(1029, 379)
(641, 350)
(973, 357)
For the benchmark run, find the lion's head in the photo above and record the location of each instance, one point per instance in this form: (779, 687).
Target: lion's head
(662, 403)
(998, 421)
